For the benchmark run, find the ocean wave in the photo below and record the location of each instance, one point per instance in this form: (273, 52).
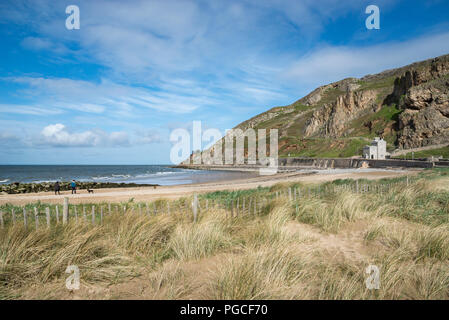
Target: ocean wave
(166, 172)
(101, 178)
(127, 177)
(3, 181)
(152, 174)
(43, 181)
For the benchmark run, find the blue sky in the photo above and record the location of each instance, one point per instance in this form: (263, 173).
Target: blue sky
(112, 91)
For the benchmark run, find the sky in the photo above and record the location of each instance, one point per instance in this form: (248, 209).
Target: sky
(112, 91)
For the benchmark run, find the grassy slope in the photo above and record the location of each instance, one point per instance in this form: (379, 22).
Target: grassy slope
(383, 122)
(316, 248)
(444, 152)
(358, 133)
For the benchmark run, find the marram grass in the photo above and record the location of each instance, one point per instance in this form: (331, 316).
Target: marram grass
(315, 248)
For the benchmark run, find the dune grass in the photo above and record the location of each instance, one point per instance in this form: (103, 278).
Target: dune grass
(315, 248)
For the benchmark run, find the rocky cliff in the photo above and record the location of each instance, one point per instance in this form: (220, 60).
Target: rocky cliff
(408, 107)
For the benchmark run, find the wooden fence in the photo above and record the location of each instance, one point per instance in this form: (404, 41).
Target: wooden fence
(46, 216)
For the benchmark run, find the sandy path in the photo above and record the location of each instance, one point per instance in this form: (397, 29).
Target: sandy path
(172, 192)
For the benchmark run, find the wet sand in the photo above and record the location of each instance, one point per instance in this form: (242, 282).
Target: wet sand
(178, 191)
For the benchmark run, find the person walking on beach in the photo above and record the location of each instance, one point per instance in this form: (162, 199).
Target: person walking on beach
(57, 188)
(73, 186)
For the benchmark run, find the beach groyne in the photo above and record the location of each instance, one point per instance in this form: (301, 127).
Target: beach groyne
(17, 188)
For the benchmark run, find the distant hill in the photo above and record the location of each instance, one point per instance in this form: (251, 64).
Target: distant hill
(408, 107)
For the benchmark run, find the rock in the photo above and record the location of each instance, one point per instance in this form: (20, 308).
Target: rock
(331, 119)
(425, 119)
(16, 188)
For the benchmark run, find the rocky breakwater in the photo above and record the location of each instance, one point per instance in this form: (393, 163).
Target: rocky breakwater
(16, 188)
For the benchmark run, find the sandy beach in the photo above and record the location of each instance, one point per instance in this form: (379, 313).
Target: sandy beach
(173, 192)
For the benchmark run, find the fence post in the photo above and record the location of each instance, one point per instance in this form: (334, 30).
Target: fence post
(195, 207)
(140, 209)
(109, 209)
(76, 214)
(290, 194)
(168, 207)
(356, 186)
(101, 215)
(25, 217)
(84, 214)
(57, 214)
(47, 214)
(36, 218)
(154, 208)
(65, 211)
(1, 220)
(237, 208)
(93, 215)
(13, 217)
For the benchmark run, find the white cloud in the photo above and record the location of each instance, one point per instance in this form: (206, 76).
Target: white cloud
(331, 63)
(8, 139)
(57, 135)
(148, 137)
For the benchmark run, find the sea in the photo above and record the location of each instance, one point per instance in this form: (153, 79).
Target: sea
(139, 174)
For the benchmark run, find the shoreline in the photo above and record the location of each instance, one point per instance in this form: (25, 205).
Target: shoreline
(185, 190)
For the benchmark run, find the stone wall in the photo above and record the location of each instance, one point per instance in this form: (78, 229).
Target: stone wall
(311, 163)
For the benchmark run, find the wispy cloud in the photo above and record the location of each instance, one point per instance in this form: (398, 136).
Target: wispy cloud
(28, 110)
(91, 97)
(7, 139)
(333, 63)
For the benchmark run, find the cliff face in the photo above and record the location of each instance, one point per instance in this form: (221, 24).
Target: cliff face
(408, 107)
(331, 119)
(423, 95)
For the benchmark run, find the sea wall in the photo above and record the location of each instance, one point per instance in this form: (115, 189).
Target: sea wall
(352, 163)
(286, 164)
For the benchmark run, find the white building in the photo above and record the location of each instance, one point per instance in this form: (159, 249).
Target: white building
(377, 149)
